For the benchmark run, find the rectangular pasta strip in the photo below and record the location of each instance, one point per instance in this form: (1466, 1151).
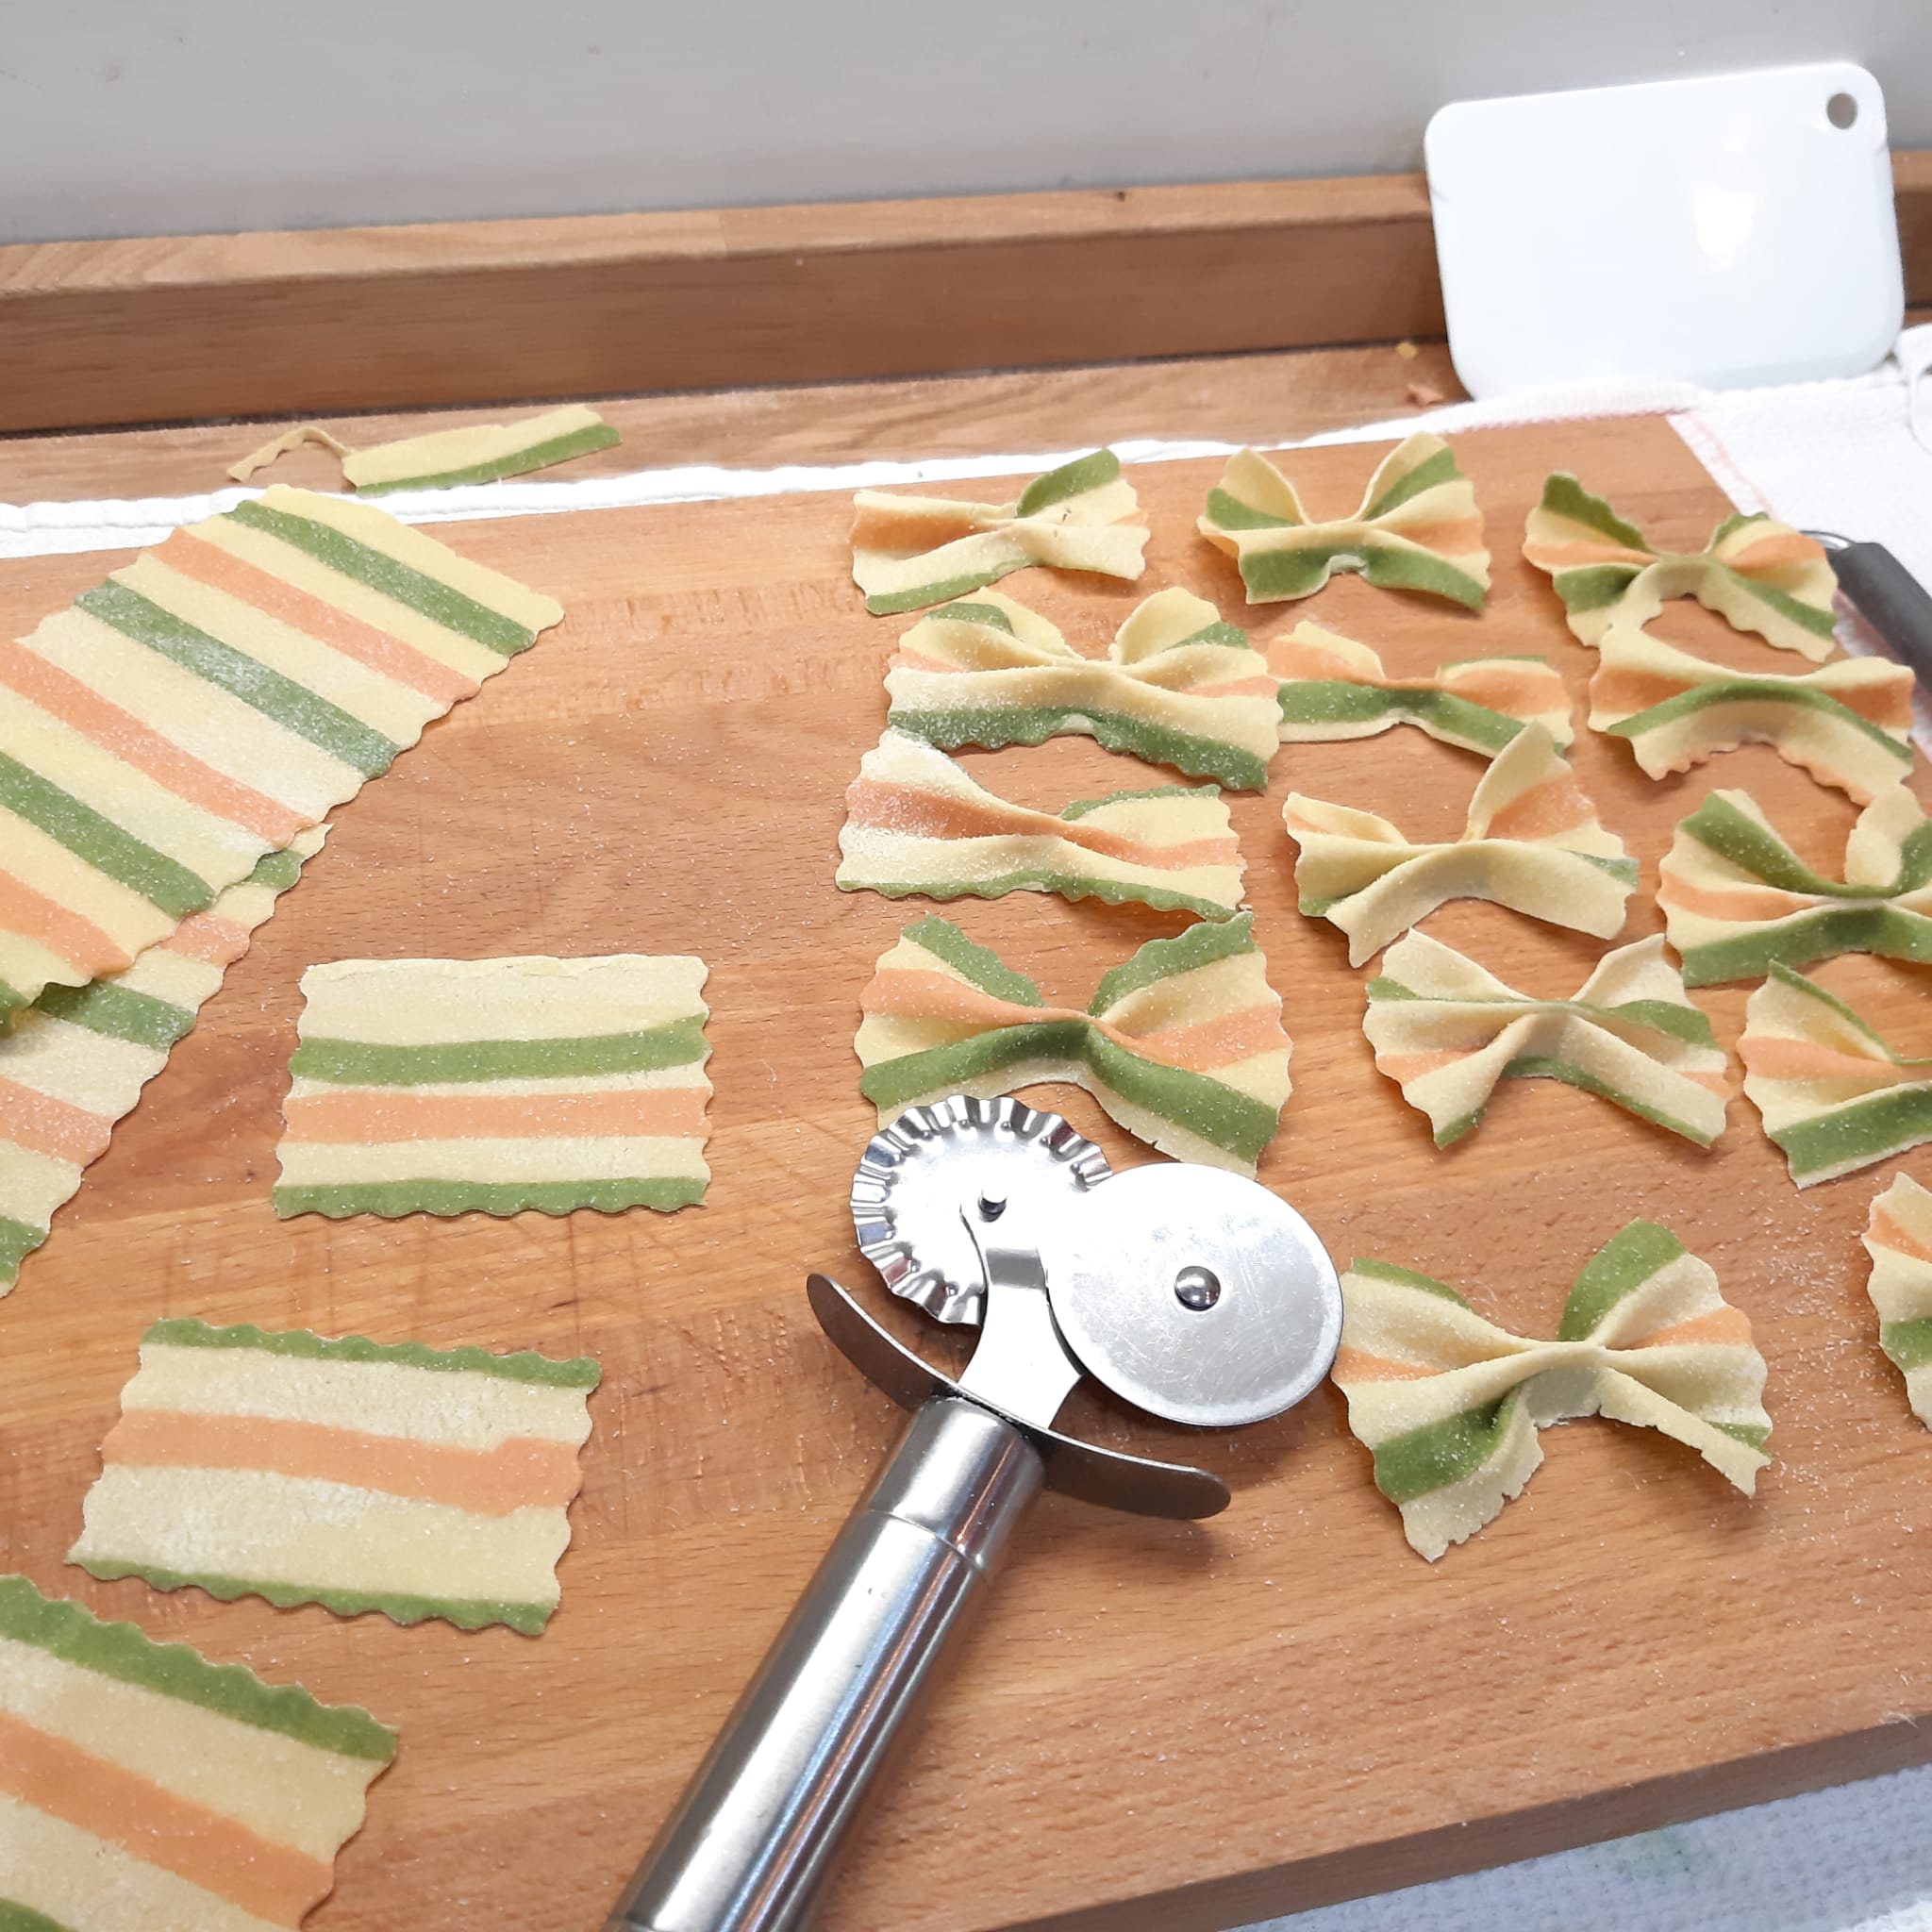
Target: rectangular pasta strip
(414, 1481)
(143, 1789)
(443, 1086)
(210, 700)
(75, 1061)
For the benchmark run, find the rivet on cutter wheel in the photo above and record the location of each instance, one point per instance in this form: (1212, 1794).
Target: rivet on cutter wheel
(1192, 1294)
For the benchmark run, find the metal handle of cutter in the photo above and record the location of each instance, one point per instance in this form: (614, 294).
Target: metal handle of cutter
(763, 1824)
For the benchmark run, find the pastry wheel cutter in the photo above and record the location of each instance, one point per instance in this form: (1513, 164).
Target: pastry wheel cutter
(1189, 1292)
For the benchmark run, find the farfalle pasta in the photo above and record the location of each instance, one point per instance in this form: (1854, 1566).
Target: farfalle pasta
(1182, 1045)
(1177, 686)
(1758, 576)
(1448, 1032)
(909, 552)
(1833, 1095)
(916, 824)
(1532, 843)
(1847, 723)
(1737, 900)
(1451, 1404)
(1898, 1236)
(1334, 688)
(1417, 529)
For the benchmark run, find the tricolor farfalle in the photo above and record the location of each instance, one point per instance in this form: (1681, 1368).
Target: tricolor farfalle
(1177, 687)
(1182, 1045)
(1451, 1404)
(1416, 528)
(1833, 1094)
(909, 552)
(1333, 688)
(1448, 1032)
(1532, 842)
(1898, 1236)
(1755, 574)
(1848, 724)
(1738, 900)
(916, 824)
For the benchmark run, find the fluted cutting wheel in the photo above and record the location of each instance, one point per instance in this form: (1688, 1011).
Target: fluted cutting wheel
(994, 1159)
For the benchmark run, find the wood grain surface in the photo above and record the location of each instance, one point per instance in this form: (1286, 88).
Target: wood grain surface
(1157, 1725)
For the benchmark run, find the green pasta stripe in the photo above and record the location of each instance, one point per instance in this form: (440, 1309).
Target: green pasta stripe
(118, 1014)
(1312, 701)
(392, 1198)
(1734, 835)
(65, 1630)
(1908, 1343)
(466, 1613)
(1405, 1277)
(1438, 468)
(1820, 623)
(1567, 498)
(1072, 479)
(893, 602)
(1548, 1067)
(280, 699)
(98, 841)
(1081, 806)
(1231, 514)
(1439, 1454)
(515, 463)
(1158, 959)
(989, 614)
(1857, 1135)
(1070, 885)
(1621, 1266)
(1886, 931)
(992, 727)
(428, 597)
(1595, 586)
(277, 871)
(350, 1062)
(17, 1242)
(979, 965)
(15, 1917)
(1729, 690)
(186, 1331)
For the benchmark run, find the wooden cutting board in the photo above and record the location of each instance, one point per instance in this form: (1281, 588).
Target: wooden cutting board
(1217, 1720)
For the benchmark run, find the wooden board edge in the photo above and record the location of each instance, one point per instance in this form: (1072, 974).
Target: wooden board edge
(185, 328)
(1451, 1851)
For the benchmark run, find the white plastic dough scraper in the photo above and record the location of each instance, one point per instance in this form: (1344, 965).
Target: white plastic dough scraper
(1192, 1294)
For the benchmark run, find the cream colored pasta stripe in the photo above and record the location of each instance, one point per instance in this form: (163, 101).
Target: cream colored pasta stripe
(145, 1789)
(343, 1473)
(1898, 1236)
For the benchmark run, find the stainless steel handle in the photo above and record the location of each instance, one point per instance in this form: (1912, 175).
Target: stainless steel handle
(761, 1827)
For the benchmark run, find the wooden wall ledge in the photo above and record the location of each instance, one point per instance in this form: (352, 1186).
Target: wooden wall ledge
(178, 329)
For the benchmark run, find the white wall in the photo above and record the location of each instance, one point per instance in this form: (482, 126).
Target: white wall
(123, 117)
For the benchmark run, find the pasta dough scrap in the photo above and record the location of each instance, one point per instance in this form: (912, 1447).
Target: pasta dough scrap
(442, 1086)
(1833, 1095)
(916, 822)
(1847, 723)
(1182, 1045)
(1758, 574)
(1451, 1404)
(75, 1060)
(1532, 843)
(911, 551)
(410, 1480)
(1417, 529)
(480, 453)
(142, 1785)
(1177, 686)
(1898, 1236)
(1333, 688)
(210, 700)
(1446, 1031)
(1738, 900)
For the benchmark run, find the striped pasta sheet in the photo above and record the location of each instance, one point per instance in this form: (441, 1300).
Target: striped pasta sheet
(1738, 900)
(414, 1481)
(1898, 1236)
(76, 1059)
(1450, 1404)
(916, 824)
(1833, 1095)
(1448, 1031)
(1847, 723)
(1332, 688)
(909, 552)
(210, 700)
(1177, 686)
(1417, 529)
(143, 1789)
(1182, 1045)
(1758, 576)
(480, 453)
(442, 1086)
(1532, 843)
